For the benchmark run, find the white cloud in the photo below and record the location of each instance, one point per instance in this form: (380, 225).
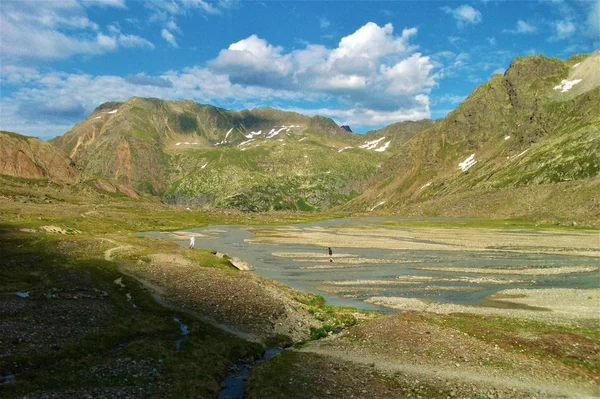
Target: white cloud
(564, 29)
(106, 42)
(464, 14)
(358, 116)
(168, 36)
(324, 23)
(409, 76)
(373, 74)
(105, 3)
(253, 61)
(593, 20)
(51, 30)
(134, 41)
(371, 68)
(521, 28)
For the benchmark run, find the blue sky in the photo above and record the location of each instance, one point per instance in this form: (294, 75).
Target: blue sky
(363, 63)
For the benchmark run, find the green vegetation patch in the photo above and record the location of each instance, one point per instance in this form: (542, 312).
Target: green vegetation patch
(78, 331)
(573, 346)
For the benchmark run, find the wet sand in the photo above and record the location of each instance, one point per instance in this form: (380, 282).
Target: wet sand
(564, 242)
(557, 305)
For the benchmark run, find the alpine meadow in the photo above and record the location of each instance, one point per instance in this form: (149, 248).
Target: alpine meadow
(224, 199)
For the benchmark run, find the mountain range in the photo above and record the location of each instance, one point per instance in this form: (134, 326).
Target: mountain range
(519, 145)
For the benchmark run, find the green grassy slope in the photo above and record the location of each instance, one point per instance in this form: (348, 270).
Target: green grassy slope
(521, 132)
(260, 159)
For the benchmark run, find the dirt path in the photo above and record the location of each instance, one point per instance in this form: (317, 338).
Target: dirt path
(159, 294)
(484, 380)
(241, 304)
(108, 254)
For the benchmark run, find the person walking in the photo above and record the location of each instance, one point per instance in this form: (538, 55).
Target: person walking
(192, 242)
(330, 254)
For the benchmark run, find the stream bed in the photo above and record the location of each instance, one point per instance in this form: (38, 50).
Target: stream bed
(235, 382)
(413, 267)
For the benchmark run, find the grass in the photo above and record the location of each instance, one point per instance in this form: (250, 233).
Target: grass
(507, 224)
(39, 262)
(573, 346)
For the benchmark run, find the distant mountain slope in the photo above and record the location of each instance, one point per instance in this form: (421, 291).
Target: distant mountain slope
(538, 124)
(256, 159)
(30, 157)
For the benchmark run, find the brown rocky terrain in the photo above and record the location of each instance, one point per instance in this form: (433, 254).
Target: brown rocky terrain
(32, 158)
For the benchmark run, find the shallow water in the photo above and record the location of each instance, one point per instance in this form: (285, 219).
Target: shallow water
(398, 279)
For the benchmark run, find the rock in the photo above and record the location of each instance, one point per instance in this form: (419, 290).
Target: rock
(9, 379)
(240, 264)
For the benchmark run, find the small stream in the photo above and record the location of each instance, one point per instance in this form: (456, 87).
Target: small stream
(235, 382)
(185, 331)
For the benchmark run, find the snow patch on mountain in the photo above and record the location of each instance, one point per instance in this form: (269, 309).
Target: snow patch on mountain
(566, 85)
(426, 185)
(467, 163)
(506, 137)
(114, 111)
(252, 134)
(345, 148)
(186, 143)
(576, 65)
(369, 145)
(385, 146)
(246, 142)
(224, 141)
(376, 206)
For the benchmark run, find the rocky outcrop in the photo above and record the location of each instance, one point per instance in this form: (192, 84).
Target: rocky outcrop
(32, 158)
(240, 264)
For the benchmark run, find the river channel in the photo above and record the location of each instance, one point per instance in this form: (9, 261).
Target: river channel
(417, 263)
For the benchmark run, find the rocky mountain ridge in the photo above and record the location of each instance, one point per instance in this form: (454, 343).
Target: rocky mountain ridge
(32, 158)
(532, 132)
(536, 125)
(257, 160)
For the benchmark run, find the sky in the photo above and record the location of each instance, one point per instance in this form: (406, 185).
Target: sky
(366, 64)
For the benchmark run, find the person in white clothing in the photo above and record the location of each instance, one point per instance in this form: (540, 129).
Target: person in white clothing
(192, 241)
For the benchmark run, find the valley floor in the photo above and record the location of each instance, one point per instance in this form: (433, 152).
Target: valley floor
(92, 310)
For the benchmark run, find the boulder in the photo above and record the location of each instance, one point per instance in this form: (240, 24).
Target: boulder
(240, 264)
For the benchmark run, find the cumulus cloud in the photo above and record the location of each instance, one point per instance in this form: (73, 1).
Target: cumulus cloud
(51, 30)
(464, 14)
(372, 77)
(371, 68)
(521, 28)
(254, 62)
